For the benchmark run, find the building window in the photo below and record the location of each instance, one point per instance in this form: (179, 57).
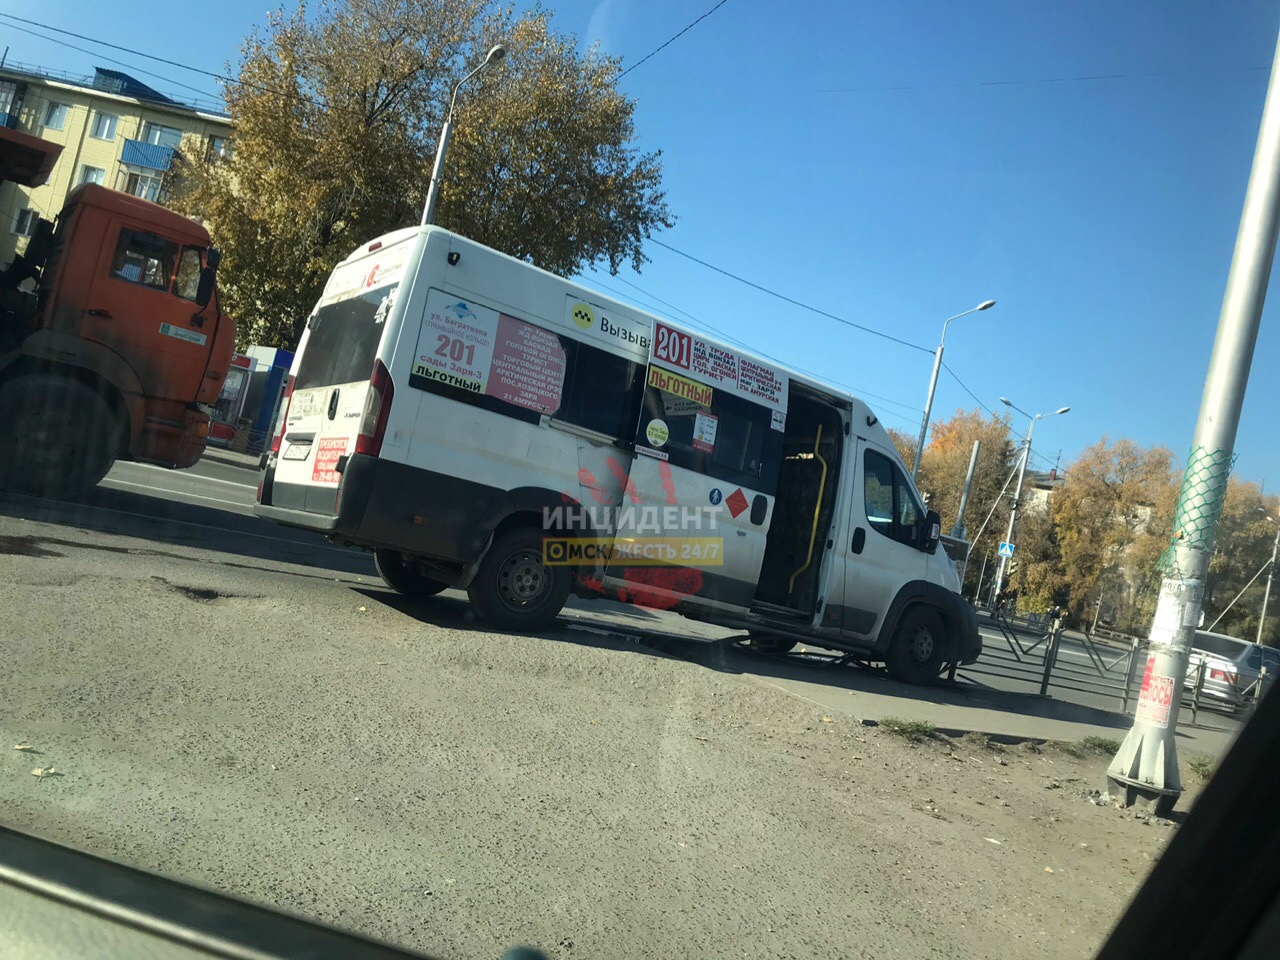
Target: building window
(160, 136)
(8, 98)
(55, 118)
(24, 224)
(144, 185)
(219, 148)
(104, 127)
(90, 174)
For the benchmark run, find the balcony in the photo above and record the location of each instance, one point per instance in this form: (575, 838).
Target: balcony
(148, 155)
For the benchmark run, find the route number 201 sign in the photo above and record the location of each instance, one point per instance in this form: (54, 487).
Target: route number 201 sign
(455, 350)
(672, 346)
(721, 368)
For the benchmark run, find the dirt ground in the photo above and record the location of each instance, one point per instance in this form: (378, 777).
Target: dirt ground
(314, 742)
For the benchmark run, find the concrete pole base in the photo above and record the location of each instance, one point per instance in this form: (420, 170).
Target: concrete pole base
(1129, 793)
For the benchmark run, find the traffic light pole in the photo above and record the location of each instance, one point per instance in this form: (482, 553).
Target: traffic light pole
(1146, 767)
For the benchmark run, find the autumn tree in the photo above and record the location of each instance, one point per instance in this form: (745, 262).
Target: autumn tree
(1129, 593)
(337, 112)
(904, 444)
(946, 462)
(1108, 499)
(942, 474)
(1242, 546)
(1040, 581)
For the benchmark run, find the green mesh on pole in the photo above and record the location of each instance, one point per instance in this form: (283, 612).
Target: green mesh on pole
(1204, 489)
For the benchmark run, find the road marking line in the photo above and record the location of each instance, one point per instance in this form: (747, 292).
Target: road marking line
(193, 477)
(345, 551)
(194, 496)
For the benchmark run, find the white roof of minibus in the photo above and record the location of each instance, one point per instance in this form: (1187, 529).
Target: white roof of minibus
(861, 411)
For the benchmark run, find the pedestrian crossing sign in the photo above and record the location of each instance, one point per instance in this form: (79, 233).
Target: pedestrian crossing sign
(1006, 549)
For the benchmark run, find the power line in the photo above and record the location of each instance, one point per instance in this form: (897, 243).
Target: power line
(964, 386)
(1035, 81)
(239, 82)
(730, 337)
(208, 97)
(791, 300)
(182, 66)
(113, 46)
(1008, 427)
(673, 39)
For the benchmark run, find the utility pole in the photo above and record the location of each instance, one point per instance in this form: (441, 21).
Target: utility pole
(1266, 594)
(1146, 767)
(1013, 511)
(1022, 472)
(958, 530)
(495, 55)
(933, 384)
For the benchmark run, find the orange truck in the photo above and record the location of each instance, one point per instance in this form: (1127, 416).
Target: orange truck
(112, 343)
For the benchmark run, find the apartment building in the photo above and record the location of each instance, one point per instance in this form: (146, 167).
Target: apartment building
(115, 131)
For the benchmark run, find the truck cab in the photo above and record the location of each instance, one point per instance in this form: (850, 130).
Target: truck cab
(112, 342)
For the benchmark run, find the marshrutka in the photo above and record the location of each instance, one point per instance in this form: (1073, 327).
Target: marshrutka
(469, 417)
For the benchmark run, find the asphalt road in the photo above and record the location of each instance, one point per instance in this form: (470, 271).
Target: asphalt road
(243, 706)
(211, 506)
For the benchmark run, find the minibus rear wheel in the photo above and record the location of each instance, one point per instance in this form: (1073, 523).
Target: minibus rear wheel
(403, 577)
(513, 589)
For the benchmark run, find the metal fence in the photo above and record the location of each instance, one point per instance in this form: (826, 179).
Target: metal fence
(1109, 670)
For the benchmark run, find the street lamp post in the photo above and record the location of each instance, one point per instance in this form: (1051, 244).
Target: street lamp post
(1266, 594)
(933, 382)
(1017, 493)
(495, 54)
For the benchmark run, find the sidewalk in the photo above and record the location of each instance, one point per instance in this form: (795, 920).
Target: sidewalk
(869, 694)
(246, 461)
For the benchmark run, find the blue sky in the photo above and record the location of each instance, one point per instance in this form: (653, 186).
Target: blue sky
(897, 162)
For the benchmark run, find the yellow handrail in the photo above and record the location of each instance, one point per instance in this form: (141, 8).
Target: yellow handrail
(813, 533)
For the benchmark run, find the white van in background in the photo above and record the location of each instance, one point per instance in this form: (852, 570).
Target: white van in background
(452, 408)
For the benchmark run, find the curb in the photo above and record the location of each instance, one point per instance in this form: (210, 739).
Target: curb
(231, 460)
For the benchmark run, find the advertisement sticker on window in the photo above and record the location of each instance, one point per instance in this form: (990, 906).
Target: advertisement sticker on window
(455, 346)
(704, 432)
(474, 348)
(709, 364)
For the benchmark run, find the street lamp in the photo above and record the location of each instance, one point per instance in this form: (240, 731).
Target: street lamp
(933, 382)
(495, 54)
(1266, 595)
(1022, 472)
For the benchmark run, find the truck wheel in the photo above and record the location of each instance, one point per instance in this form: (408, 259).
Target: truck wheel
(768, 643)
(916, 653)
(402, 577)
(513, 589)
(60, 437)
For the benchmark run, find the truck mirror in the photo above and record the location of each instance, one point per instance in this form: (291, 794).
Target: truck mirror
(931, 533)
(213, 258)
(204, 290)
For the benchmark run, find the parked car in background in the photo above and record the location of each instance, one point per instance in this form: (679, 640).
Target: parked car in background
(1232, 668)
